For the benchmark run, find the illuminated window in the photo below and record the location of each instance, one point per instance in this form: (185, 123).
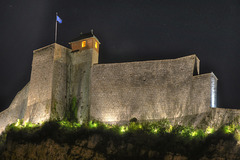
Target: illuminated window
(95, 44)
(83, 44)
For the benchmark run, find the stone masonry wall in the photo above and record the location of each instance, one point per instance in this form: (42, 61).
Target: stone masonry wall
(16, 110)
(149, 90)
(47, 90)
(112, 93)
(40, 87)
(79, 80)
(59, 84)
(44, 97)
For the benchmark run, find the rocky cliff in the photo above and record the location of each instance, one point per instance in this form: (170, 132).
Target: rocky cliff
(91, 148)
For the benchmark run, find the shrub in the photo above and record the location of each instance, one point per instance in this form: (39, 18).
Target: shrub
(133, 120)
(160, 136)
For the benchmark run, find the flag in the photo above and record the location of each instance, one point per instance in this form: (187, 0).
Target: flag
(59, 19)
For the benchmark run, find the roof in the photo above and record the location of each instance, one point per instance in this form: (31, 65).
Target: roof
(84, 36)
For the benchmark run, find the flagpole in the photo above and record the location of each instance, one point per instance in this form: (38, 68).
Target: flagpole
(56, 28)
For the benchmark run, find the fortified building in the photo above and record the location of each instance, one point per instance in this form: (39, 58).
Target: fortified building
(70, 81)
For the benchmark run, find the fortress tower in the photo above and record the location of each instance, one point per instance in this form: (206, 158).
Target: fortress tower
(60, 80)
(47, 87)
(85, 50)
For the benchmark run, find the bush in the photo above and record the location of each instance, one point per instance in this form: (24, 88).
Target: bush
(160, 136)
(133, 120)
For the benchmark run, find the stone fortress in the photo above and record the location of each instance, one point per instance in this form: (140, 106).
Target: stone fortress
(117, 92)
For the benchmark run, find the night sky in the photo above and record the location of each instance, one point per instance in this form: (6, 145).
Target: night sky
(131, 30)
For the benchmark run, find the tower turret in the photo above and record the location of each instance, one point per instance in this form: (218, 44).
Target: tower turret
(84, 42)
(85, 51)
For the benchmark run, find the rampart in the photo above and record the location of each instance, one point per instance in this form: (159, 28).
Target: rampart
(64, 81)
(150, 90)
(16, 110)
(79, 69)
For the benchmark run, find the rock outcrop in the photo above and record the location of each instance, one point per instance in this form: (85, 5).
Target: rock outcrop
(96, 147)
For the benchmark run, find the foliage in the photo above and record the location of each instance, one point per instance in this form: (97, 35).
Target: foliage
(209, 130)
(72, 114)
(161, 127)
(159, 135)
(133, 120)
(69, 125)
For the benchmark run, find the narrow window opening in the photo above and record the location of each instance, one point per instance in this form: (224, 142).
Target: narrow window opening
(96, 45)
(83, 44)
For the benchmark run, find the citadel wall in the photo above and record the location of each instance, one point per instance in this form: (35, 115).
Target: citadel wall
(85, 49)
(149, 90)
(113, 93)
(79, 69)
(59, 83)
(16, 110)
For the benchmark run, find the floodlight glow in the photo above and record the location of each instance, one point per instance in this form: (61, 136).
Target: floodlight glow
(213, 92)
(123, 129)
(194, 133)
(209, 130)
(110, 118)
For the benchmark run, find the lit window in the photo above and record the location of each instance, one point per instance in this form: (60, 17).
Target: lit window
(83, 44)
(95, 44)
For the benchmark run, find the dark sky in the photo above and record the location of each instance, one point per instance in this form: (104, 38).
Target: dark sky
(130, 30)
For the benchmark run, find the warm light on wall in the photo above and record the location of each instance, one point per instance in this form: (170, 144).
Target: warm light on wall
(110, 118)
(83, 44)
(96, 45)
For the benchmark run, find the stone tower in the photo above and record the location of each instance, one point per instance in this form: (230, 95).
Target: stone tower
(85, 50)
(47, 87)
